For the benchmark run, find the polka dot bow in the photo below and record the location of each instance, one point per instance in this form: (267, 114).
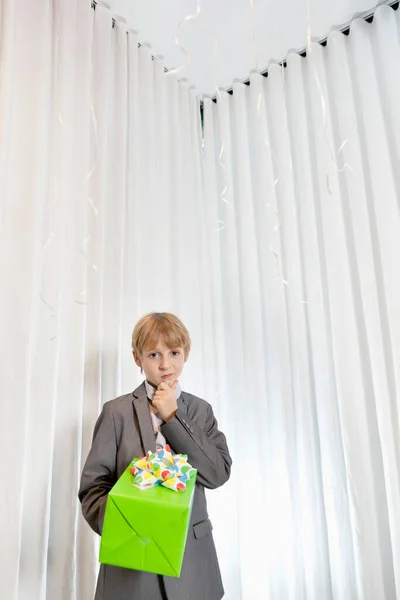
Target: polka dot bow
(162, 468)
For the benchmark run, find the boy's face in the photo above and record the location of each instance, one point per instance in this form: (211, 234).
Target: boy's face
(161, 363)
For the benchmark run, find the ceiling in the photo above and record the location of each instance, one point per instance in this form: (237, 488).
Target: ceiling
(229, 38)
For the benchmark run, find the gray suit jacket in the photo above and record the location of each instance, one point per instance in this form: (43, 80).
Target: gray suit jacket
(123, 431)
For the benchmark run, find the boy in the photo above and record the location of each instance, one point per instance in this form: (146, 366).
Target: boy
(156, 413)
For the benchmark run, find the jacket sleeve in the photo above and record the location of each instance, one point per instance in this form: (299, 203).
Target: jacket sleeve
(99, 473)
(206, 447)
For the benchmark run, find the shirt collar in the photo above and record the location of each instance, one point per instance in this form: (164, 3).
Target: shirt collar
(151, 391)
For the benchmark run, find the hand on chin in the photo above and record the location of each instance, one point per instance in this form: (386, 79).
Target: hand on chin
(165, 398)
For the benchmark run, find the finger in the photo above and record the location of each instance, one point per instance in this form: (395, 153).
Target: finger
(163, 386)
(173, 385)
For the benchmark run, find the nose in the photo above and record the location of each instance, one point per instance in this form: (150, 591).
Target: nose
(164, 363)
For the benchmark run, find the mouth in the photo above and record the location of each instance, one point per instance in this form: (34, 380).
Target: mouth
(165, 377)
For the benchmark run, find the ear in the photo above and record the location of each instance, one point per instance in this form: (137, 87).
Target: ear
(187, 354)
(136, 359)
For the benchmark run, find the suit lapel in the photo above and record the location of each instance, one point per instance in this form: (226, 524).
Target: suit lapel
(141, 408)
(182, 404)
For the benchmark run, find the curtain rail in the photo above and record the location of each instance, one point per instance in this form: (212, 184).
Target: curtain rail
(113, 23)
(345, 29)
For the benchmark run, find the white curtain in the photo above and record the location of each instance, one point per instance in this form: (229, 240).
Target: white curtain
(302, 187)
(100, 178)
(279, 248)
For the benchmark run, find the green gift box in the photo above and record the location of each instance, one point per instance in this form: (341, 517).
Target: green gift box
(146, 529)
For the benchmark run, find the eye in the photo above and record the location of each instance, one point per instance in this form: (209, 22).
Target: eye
(153, 355)
(175, 353)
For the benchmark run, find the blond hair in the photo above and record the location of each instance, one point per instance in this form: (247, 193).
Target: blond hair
(160, 326)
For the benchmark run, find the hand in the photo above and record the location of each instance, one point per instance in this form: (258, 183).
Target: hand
(164, 400)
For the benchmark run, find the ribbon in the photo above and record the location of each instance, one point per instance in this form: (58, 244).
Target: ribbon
(162, 468)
